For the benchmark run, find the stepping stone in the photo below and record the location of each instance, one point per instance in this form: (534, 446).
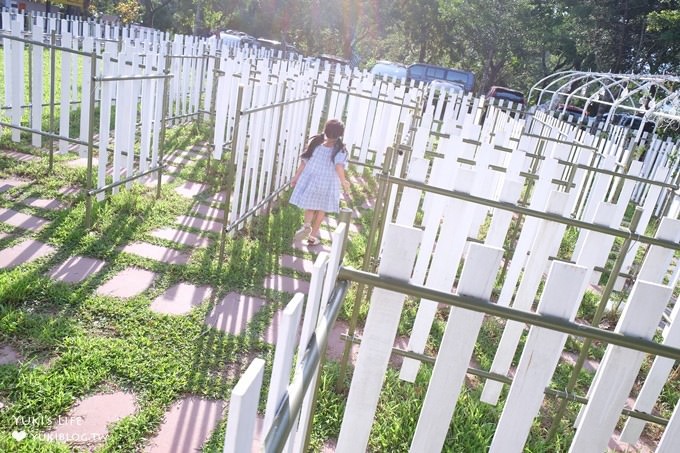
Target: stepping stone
(76, 269)
(156, 252)
(570, 358)
(129, 282)
(11, 183)
(15, 155)
(615, 444)
(181, 157)
(4, 235)
(181, 237)
(152, 180)
(190, 189)
(286, 284)
(199, 148)
(87, 422)
(336, 345)
(81, 162)
(9, 355)
(208, 211)
(187, 425)
(69, 191)
(368, 204)
(21, 220)
(271, 334)
(297, 263)
(180, 299)
(43, 203)
(24, 252)
(200, 224)
(303, 246)
(233, 313)
(217, 198)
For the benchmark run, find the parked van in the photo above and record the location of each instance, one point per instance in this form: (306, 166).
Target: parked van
(388, 70)
(422, 72)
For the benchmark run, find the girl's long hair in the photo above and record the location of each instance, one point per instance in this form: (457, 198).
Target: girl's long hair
(333, 129)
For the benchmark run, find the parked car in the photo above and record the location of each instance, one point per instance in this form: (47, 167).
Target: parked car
(388, 70)
(332, 60)
(422, 72)
(626, 120)
(275, 45)
(505, 94)
(236, 38)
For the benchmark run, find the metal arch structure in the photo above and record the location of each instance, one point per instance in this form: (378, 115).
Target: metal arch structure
(649, 97)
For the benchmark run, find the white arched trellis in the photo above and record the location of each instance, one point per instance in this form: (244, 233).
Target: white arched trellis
(650, 97)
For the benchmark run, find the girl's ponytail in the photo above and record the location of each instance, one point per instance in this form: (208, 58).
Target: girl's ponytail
(313, 143)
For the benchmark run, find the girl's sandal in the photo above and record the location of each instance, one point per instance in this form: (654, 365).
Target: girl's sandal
(312, 240)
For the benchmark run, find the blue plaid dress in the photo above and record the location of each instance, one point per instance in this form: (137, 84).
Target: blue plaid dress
(318, 187)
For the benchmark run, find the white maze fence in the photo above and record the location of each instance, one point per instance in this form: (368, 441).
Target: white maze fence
(448, 221)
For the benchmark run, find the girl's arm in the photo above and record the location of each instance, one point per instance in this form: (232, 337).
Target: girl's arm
(340, 170)
(297, 173)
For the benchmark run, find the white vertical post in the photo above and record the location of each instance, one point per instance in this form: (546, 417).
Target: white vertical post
(238, 437)
(283, 358)
(445, 261)
(401, 245)
(654, 269)
(619, 368)
(455, 351)
(563, 292)
(65, 105)
(546, 242)
(37, 84)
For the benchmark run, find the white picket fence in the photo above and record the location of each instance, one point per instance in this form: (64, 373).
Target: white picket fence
(265, 107)
(574, 177)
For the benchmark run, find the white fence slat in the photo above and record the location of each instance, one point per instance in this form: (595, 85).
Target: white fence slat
(547, 242)
(654, 269)
(337, 241)
(107, 93)
(401, 245)
(15, 81)
(563, 292)
(618, 368)
(500, 222)
(308, 325)
(37, 85)
(65, 100)
(238, 437)
(410, 199)
(445, 261)
(457, 345)
(283, 357)
(671, 436)
(85, 93)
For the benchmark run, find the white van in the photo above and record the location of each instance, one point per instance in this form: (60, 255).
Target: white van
(388, 70)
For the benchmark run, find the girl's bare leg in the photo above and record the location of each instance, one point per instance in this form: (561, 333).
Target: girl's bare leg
(316, 222)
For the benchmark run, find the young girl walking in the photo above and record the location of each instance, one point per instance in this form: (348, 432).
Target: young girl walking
(317, 181)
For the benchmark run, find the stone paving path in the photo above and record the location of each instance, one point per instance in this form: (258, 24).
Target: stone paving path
(24, 252)
(9, 355)
(156, 252)
(233, 313)
(129, 282)
(180, 237)
(86, 424)
(180, 299)
(11, 183)
(18, 156)
(76, 269)
(187, 425)
(42, 203)
(21, 220)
